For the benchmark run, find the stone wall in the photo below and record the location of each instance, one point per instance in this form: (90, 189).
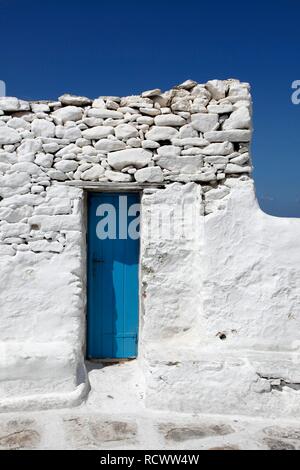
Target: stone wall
(219, 309)
(193, 132)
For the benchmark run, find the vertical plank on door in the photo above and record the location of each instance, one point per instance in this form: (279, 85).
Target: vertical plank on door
(112, 286)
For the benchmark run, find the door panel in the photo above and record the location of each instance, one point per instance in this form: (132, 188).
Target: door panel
(113, 292)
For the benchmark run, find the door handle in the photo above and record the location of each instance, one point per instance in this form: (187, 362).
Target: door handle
(98, 261)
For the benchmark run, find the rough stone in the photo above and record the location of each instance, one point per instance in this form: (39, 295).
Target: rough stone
(68, 150)
(43, 128)
(206, 176)
(66, 166)
(181, 105)
(4, 167)
(9, 104)
(152, 174)
(26, 167)
(150, 111)
(41, 246)
(160, 133)
(117, 176)
(87, 432)
(151, 93)
(98, 132)
(216, 160)
(134, 142)
(174, 433)
(18, 123)
(239, 119)
(105, 113)
(51, 147)
(276, 444)
(136, 101)
(13, 230)
(187, 85)
(37, 189)
(217, 89)
(8, 136)
(224, 148)
(169, 120)
(109, 145)
(188, 165)
(57, 175)
(150, 144)
(191, 151)
(205, 122)
(72, 100)
(138, 158)
(72, 134)
(145, 120)
(14, 183)
(188, 141)
(40, 108)
(187, 131)
(232, 168)
(93, 174)
(236, 135)
(93, 121)
(239, 92)
(44, 160)
(283, 432)
(168, 151)
(240, 159)
(222, 108)
(68, 113)
(126, 131)
(19, 434)
(217, 193)
(6, 250)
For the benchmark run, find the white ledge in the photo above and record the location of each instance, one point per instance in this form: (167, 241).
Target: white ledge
(112, 186)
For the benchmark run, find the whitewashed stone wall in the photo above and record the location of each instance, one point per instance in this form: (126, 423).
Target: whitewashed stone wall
(194, 132)
(222, 312)
(219, 309)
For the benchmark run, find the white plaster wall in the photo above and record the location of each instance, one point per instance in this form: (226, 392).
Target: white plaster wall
(170, 275)
(257, 257)
(246, 275)
(42, 301)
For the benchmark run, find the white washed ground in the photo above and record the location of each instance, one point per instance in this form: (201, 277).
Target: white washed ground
(114, 418)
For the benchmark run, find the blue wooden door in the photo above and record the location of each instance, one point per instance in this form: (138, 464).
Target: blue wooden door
(113, 265)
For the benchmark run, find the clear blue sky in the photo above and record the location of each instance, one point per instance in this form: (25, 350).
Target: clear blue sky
(95, 47)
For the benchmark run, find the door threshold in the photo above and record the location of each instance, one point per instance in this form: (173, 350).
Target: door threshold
(108, 361)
